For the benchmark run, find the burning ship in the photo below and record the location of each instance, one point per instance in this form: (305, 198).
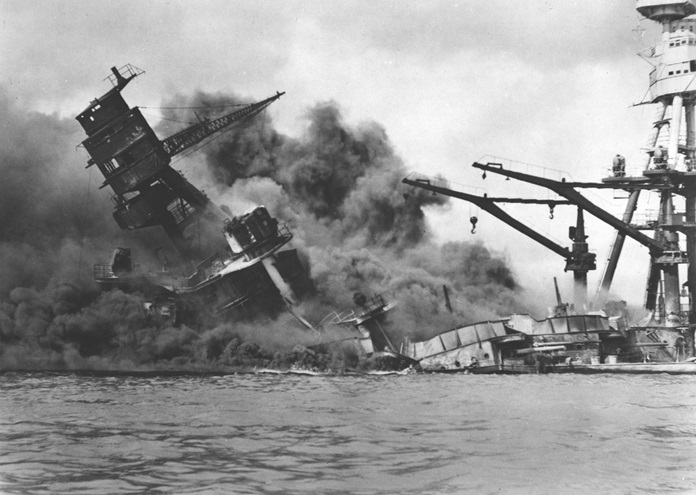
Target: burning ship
(566, 341)
(224, 266)
(223, 263)
(241, 264)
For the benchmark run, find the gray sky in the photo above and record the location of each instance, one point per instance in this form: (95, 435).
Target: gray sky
(550, 83)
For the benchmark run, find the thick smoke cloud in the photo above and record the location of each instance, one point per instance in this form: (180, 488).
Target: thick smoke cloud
(337, 186)
(42, 208)
(55, 223)
(345, 179)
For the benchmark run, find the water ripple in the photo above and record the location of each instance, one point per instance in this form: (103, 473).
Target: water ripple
(271, 434)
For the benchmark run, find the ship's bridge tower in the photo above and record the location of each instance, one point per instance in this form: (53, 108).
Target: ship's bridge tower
(672, 82)
(674, 60)
(672, 146)
(665, 11)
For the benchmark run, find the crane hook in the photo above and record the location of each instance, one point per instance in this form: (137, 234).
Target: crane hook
(473, 221)
(551, 207)
(484, 175)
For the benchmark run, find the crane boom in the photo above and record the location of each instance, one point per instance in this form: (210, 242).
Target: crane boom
(578, 259)
(565, 190)
(191, 136)
(487, 204)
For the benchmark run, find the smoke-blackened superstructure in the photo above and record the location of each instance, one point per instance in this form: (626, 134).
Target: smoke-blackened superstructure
(222, 262)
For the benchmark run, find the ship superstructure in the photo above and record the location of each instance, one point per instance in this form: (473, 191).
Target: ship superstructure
(224, 262)
(670, 152)
(668, 170)
(367, 317)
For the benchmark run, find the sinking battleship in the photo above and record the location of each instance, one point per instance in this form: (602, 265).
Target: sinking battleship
(222, 263)
(224, 266)
(242, 264)
(568, 341)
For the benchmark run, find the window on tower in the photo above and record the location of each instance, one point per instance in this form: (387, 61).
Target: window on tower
(110, 166)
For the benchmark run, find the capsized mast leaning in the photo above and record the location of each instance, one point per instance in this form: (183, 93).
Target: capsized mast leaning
(225, 262)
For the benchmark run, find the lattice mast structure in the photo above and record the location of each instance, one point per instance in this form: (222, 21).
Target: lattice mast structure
(671, 152)
(136, 164)
(669, 171)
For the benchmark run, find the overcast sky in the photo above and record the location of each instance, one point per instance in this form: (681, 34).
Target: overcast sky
(549, 83)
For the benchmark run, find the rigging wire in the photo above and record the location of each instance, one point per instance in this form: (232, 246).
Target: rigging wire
(165, 118)
(199, 107)
(208, 140)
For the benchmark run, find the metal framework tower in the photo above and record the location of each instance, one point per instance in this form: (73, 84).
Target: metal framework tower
(671, 158)
(136, 165)
(670, 170)
(226, 262)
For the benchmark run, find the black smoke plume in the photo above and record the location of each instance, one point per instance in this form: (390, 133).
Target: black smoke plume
(337, 186)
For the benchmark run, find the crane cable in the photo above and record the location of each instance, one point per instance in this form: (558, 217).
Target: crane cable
(170, 120)
(212, 138)
(199, 107)
(187, 108)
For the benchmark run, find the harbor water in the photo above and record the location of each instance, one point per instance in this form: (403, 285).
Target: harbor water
(82, 433)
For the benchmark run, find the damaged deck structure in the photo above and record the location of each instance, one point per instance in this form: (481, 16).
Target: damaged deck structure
(574, 343)
(221, 263)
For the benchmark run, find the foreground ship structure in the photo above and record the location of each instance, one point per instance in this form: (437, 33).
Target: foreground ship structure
(592, 341)
(221, 262)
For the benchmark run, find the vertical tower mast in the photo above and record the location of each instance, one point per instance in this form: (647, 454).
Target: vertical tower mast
(673, 85)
